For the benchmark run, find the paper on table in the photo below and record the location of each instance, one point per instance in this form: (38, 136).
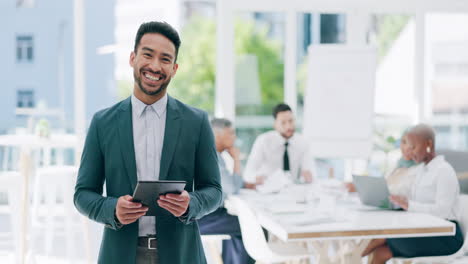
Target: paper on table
(275, 183)
(287, 208)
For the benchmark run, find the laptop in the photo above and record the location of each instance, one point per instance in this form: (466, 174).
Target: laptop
(373, 191)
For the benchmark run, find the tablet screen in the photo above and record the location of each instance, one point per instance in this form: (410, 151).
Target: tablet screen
(147, 192)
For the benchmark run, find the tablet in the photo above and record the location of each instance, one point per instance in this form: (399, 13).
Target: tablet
(147, 192)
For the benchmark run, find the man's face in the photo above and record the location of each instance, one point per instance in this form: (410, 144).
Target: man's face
(153, 64)
(227, 137)
(284, 124)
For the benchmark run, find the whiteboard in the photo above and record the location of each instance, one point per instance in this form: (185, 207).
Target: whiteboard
(339, 100)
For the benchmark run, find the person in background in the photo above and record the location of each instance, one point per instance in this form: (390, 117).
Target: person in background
(401, 178)
(220, 221)
(435, 191)
(279, 149)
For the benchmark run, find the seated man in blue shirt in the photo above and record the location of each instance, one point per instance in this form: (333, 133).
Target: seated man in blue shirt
(220, 221)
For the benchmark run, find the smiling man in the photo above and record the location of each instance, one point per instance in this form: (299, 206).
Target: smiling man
(149, 136)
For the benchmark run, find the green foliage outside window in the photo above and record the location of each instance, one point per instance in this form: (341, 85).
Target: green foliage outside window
(194, 83)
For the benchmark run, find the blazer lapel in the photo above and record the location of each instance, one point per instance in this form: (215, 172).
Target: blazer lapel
(171, 135)
(126, 141)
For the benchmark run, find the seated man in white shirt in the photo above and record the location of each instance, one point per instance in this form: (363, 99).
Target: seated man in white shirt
(220, 221)
(280, 150)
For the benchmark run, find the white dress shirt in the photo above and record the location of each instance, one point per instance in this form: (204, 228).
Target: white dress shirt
(266, 156)
(435, 190)
(149, 122)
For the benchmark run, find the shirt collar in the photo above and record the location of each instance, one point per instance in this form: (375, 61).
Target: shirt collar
(284, 140)
(159, 106)
(435, 161)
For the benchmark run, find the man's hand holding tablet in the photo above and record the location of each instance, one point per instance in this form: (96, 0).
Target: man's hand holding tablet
(127, 211)
(176, 204)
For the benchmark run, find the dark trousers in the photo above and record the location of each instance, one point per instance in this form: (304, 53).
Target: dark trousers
(426, 246)
(146, 256)
(221, 223)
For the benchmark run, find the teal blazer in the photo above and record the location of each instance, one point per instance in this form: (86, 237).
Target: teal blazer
(108, 157)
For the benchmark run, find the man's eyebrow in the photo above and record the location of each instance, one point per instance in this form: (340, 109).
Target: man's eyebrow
(167, 55)
(147, 49)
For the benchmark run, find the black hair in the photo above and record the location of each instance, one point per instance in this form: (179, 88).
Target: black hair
(220, 123)
(280, 108)
(162, 28)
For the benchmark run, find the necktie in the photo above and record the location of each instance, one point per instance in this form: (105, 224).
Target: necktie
(286, 157)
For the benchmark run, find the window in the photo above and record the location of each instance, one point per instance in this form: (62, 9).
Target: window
(24, 48)
(25, 99)
(332, 28)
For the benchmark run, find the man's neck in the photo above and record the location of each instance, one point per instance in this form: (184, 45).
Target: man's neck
(148, 99)
(285, 137)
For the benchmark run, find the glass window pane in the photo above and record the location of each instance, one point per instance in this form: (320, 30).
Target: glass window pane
(332, 28)
(259, 73)
(30, 53)
(19, 53)
(24, 48)
(447, 59)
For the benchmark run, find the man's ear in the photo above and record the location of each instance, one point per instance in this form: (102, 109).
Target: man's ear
(176, 66)
(275, 124)
(132, 58)
(431, 144)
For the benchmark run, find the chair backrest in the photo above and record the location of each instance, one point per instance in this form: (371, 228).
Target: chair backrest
(10, 183)
(9, 157)
(252, 234)
(55, 184)
(463, 221)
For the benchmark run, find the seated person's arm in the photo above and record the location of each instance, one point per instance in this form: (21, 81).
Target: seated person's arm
(252, 168)
(350, 187)
(306, 175)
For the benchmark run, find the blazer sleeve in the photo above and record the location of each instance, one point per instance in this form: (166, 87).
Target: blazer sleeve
(88, 197)
(207, 194)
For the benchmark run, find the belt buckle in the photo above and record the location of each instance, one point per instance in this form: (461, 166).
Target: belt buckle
(149, 242)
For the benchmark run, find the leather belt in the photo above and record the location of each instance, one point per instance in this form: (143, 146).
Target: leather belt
(148, 242)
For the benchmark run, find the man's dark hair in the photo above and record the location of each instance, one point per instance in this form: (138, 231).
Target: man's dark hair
(220, 123)
(162, 28)
(280, 108)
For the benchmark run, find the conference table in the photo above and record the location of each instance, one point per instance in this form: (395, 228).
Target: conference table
(27, 143)
(330, 220)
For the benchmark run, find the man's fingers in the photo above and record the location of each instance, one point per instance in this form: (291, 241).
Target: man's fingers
(184, 196)
(133, 216)
(130, 205)
(171, 209)
(127, 202)
(173, 197)
(170, 204)
(134, 210)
